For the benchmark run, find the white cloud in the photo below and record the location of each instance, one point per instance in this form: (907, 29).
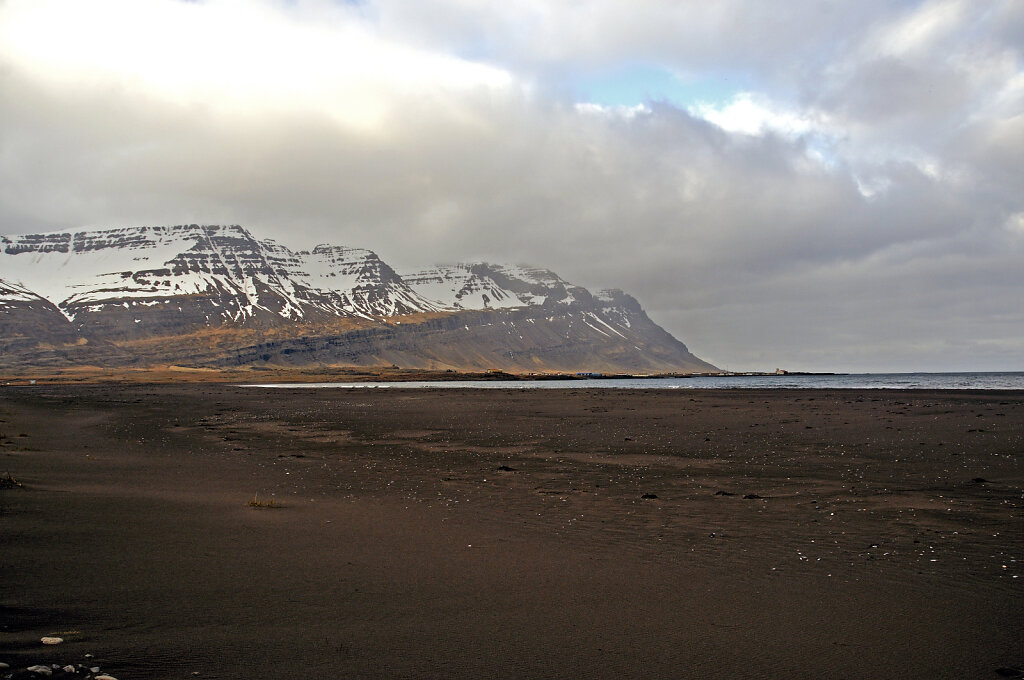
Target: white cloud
(751, 115)
(1015, 224)
(589, 108)
(230, 57)
(920, 29)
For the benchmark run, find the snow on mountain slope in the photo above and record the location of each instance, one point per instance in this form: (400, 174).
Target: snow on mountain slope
(12, 294)
(241, 277)
(58, 266)
(238, 276)
(85, 271)
(488, 286)
(350, 281)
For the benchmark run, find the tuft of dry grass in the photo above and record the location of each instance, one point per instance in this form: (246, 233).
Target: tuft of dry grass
(257, 503)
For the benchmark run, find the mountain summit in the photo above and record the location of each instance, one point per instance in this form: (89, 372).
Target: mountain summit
(217, 296)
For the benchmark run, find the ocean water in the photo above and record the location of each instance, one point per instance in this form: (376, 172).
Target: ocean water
(903, 381)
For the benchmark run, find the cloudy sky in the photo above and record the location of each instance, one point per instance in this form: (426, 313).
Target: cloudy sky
(812, 184)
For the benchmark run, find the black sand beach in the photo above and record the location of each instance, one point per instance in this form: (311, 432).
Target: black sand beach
(525, 533)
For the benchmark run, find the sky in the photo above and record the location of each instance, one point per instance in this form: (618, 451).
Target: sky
(813, 185)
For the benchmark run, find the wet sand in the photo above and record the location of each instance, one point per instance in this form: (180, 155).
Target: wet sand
(521, 533)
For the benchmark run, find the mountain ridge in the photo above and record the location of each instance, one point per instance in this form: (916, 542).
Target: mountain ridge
(154, 294)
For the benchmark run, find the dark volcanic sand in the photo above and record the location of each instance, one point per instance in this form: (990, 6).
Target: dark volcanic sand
(404, 549)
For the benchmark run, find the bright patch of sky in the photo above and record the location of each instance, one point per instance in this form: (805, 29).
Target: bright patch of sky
(635, 84)
(629, 90)
(751, 115)
(178, 52)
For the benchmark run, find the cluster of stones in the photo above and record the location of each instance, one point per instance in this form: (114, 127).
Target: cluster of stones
(53, 671)
(37, 671)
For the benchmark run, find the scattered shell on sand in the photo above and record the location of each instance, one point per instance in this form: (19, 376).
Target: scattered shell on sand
(51, 640)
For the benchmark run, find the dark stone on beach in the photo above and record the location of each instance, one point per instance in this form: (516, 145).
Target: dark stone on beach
(36, 671)
(724, 493)
(649, 496)
(980, 480)
(1007, 672)
(752, 496)
(506, 468)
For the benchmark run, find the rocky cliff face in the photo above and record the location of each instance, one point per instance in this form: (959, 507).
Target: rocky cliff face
(216, 295)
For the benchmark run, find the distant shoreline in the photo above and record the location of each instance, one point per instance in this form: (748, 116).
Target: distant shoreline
(183, 374)
(396, 377)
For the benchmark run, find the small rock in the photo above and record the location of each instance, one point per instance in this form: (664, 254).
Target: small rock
(94, 669)
(724, 493)
(4, 665)
(980, 480)
(1007, 672)
(649, 496)
(506, 468)
(104, 677)
(69, 669)
(40, 670)
(51, 640)
(751, 496)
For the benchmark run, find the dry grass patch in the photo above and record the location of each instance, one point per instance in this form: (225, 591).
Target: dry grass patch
(257, 503)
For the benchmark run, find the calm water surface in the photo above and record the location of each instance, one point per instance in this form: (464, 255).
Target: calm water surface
(914, 381)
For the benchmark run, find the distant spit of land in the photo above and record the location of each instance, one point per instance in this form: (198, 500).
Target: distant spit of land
(304, 374)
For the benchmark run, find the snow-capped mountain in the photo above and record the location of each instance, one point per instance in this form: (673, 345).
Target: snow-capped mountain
(159, 286)
(224, 272)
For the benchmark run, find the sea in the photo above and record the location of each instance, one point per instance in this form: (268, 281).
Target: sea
(885, 381)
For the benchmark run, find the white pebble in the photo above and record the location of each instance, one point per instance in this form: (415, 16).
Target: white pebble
(69, 669)
(51, 640)
(105, 677)
(41, 670)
